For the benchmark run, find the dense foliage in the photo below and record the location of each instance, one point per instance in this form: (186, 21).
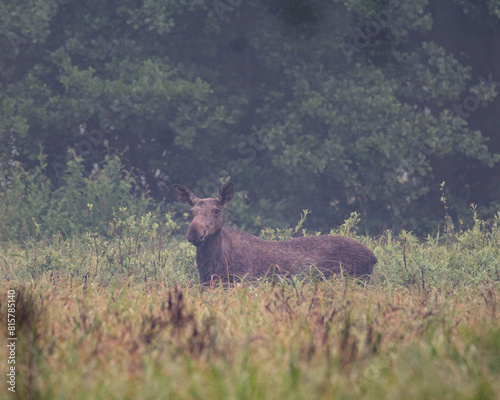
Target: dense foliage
(82, 204)
(334, 106)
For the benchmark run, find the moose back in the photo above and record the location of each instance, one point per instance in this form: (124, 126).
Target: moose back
(229, 254)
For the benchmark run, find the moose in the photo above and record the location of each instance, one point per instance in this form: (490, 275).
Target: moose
(229, 254)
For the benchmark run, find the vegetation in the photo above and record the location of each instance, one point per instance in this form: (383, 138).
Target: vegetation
(122, 316)
(356, 111)
(367, 104)
(31, 206)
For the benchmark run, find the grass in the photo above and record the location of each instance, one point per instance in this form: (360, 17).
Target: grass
(328, 340)
(123, 317)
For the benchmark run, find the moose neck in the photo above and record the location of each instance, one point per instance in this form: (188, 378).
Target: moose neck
(210, 257)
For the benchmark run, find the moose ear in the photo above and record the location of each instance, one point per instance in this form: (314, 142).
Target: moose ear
(226, 193)
(184, 195)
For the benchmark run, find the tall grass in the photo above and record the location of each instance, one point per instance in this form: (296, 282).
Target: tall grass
(329, 340)
(120, 316)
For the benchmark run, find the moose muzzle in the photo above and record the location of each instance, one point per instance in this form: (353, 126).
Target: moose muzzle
(196, 233)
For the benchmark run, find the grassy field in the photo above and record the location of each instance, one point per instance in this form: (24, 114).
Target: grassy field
(122, 317)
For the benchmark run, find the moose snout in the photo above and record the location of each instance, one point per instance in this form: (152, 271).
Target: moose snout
(196, 233)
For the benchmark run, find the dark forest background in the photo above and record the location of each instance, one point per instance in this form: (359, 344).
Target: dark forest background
(331, 106)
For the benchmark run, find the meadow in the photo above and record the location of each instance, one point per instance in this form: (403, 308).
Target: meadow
(121, 316)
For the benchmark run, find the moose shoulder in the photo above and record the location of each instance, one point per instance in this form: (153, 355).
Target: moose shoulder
(229, 254)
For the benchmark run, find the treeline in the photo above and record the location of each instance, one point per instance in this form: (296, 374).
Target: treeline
(315, 105)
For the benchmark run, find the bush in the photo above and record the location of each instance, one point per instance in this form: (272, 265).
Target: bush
(458, 258)
(82, 203)
(25, 197)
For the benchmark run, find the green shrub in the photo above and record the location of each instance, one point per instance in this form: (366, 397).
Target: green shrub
(82, 203)
(24, 198)
(457, 258)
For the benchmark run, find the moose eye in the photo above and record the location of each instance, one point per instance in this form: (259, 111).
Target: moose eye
(216, 211)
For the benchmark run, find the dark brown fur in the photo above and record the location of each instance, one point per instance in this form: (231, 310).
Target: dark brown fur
(227, 254)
